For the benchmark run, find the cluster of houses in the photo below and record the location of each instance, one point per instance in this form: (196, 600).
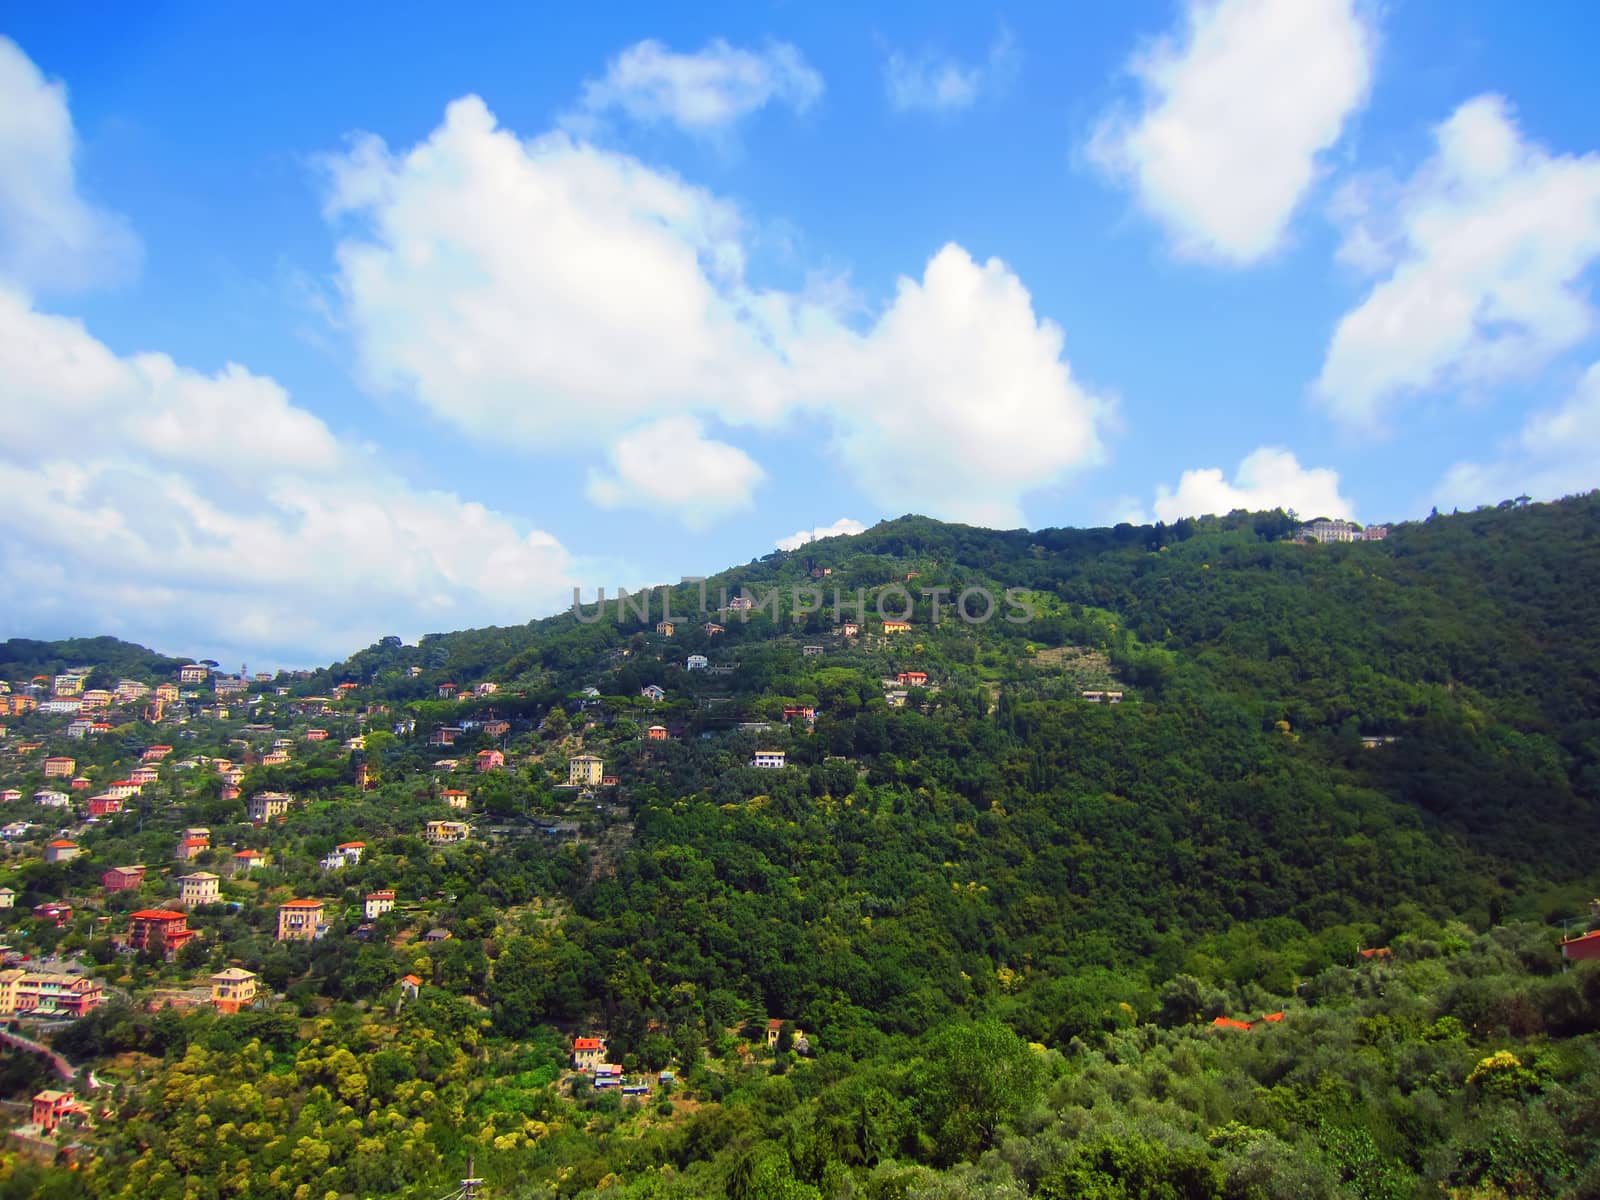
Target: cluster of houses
(71, 787)
(268, 726)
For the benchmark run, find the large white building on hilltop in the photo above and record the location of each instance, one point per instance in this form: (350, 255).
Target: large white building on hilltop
(1325, 530)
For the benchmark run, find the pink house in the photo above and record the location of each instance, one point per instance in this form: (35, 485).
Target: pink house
(490, 760)
(122, 879)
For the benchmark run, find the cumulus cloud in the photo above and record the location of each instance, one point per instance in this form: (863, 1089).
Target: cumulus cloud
(1555, 454)
(932, 82)
(546, 292)
(210, 512)
(1270, 477)
(51, 238)
(840, 528)
(958, 400)
(703, 92)
(1483, 253)
(1233, 113)
(672, 465)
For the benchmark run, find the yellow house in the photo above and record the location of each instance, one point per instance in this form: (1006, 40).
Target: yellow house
(233, 989)
(897, 626)
(299, 920)
(585, 769)
(442, 833)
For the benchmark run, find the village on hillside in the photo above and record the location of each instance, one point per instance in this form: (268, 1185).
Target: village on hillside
(167, 843)
(191, 838)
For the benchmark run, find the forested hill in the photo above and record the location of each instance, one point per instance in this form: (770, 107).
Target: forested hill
(1469, 639)
(1279, 921)
(107, 658)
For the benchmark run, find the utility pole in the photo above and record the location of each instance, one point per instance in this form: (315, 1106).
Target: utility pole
(471, 1184)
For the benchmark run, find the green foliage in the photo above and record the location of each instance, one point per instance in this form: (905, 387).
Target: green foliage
(1003, 918)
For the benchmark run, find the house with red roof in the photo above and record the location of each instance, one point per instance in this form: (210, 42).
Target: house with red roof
(588, 1053)
(52, 1108)
(1581, 948)
(300, 920)
(150, 926)
(190, 847)
(62, 850)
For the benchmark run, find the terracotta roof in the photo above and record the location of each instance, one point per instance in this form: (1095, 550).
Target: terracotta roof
(59, 844)
(301, 904)
(586, 1044)
(157, 914)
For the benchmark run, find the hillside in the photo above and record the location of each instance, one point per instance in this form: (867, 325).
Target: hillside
(999, 910)
(107, 658)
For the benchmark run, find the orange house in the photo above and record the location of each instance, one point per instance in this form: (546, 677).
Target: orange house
(233, 989)
(299, 920)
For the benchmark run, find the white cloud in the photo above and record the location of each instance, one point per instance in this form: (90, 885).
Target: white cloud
(1233, 115)
(702, 92)
(1270, 477)
(50, 236)
(938, 83)
(672, 465)
(1555, 454)
(210, 513)
(958, 400)
(840, 528)
(547, 293)
(1484, 251)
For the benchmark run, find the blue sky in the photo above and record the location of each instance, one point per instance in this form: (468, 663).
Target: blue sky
(338, 324)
